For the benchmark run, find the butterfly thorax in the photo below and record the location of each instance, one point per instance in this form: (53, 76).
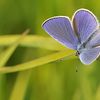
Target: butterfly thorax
(83, 46)
(80, 48)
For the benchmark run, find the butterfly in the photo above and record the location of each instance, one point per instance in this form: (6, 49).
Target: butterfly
(82, 34)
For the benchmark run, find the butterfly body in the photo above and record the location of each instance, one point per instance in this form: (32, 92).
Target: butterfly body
(82, 33)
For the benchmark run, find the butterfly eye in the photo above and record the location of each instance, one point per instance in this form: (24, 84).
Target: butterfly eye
(77, 53)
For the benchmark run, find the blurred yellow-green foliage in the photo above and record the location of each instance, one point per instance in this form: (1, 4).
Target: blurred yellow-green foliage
(53, 81)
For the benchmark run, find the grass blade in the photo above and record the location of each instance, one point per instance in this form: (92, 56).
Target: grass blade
(32, 41)
(37, 62)
(20, 85)
(4, 56)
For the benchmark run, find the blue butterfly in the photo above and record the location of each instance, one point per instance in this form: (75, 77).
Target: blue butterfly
(82, 33)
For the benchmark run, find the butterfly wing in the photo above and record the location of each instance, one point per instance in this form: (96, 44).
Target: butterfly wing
(61, 30)
(95, 40)
(89, 56)
(84, 23)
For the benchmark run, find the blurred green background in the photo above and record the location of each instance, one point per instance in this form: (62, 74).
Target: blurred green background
(54, 81)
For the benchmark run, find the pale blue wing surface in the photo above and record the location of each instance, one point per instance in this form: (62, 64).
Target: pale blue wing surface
(84, 23)
(94, 40)
(89, 56)
(60, 29)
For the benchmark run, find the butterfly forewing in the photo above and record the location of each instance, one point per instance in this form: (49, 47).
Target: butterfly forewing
(60, 29)
(84, 23)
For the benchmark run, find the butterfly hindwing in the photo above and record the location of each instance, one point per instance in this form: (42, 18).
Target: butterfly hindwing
(90, 55)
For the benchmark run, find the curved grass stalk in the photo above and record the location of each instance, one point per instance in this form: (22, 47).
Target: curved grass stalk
(32, 41)
(4, 56)
(37, 62)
